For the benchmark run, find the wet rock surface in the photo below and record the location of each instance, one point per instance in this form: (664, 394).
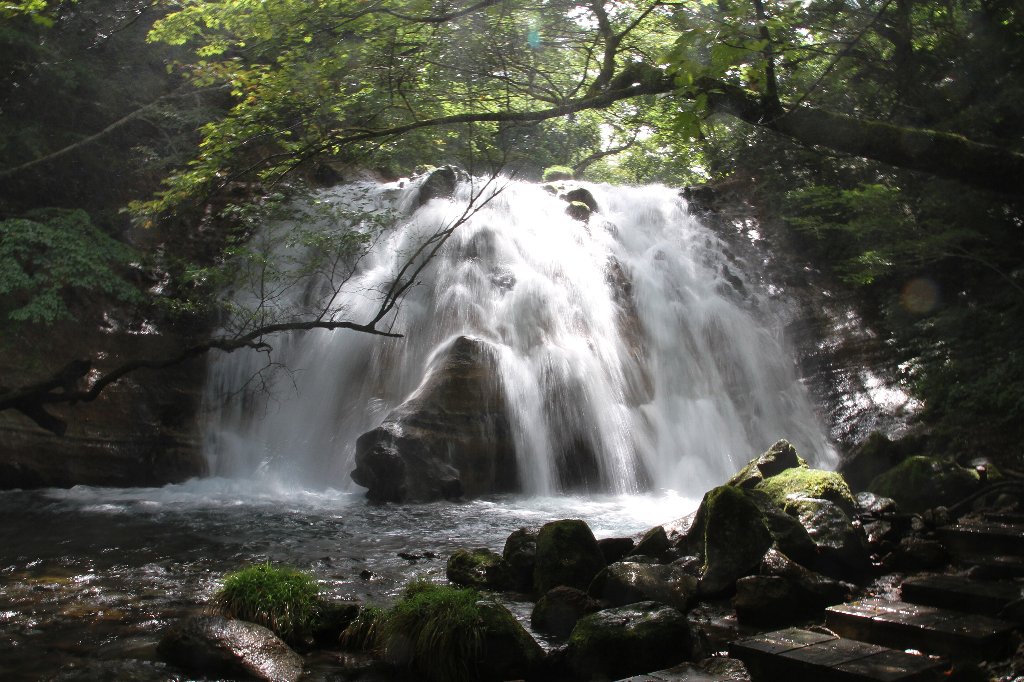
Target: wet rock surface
(451, 439)
(232, 648)
(567, 554)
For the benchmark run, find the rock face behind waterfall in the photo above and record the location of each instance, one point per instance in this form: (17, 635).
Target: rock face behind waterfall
(450, 439)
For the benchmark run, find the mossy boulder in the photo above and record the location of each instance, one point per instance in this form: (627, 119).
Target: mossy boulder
(567, 554)
(919, 483)
(778, 458)
(509, 652)
(577, 210)
(842, 547)
(730, 535)
(479, 568)
(876, 454)
(626, 582)
(560, 608)
(806, 482)
(615, 549)
(790, 537)
(628, 640)
(654, 543)
(520, 553)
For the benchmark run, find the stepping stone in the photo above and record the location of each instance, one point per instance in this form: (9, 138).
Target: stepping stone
(994, 567)
(798, 655)
(983, 538)
(925, 628)
(960, 593)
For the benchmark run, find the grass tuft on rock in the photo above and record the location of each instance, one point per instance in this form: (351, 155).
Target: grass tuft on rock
(434, 630)
(282, 599)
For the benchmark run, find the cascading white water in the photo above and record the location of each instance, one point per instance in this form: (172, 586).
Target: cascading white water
(623, 332)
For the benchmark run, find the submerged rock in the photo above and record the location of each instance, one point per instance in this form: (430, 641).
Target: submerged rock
(628, 640)
(451, 439)
(567, 554)
(440, 183)
(214, 645)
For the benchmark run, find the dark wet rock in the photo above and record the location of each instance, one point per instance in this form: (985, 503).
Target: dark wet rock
(332, 618)
(921, 482)
(479, 568)
(581, 195)
(875, 455)
(626, 582)
(841, 544)
(785, 592)
(809, 483)
(730, 534)
(567, 554)
(452, 439)
(558, 610)
(639, 387)
(217, 646)
(614, 549)
(789, 535)
(520, 553)
(627, 640)
(577, 210)
(779, 457)
(875, 505)
(509, 652)
(654, 543)
(917, 554)
(440, 184)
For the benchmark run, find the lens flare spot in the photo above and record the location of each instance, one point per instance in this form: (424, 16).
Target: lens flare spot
(920, 295)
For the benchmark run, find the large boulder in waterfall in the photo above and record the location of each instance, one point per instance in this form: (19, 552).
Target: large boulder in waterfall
(778, 458)
(567, 554)
(440, 183)
(625, 582)
(729, 535)
(218, 646)
(628, 640)
(919, 483)
(451, 439)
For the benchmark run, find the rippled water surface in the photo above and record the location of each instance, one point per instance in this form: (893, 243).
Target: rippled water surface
(95, 574)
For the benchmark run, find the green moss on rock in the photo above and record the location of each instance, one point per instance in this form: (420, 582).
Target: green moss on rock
(567, 554)
(805, 482)
(778, 458)
(921, 482)
(479, 568)
(732, 536)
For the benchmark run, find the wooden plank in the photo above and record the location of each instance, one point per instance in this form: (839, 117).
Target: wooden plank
(960, 593)
(817, 658)
(925, 628)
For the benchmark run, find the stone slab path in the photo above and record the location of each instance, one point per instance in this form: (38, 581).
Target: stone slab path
(960, 593)
(797, 655)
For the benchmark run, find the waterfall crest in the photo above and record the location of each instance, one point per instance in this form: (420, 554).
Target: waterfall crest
(637, 338)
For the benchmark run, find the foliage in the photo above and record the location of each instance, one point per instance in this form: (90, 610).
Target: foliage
(282, 599)
(557, 173)
(362, 633)
(435, 630)
(51, 258)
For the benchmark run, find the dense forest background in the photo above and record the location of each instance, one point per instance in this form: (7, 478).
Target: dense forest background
(140, 142)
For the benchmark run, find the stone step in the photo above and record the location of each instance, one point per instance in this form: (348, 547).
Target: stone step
(796, 655)
(960, 593)
(720, 670)
(993, 567)
(925, 628)
(983, 538)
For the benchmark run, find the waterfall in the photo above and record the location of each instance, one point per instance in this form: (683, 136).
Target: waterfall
(637, 335)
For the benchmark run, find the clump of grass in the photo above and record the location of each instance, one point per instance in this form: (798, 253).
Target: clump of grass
(282, 599)
(435, 630)
(361, 634)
